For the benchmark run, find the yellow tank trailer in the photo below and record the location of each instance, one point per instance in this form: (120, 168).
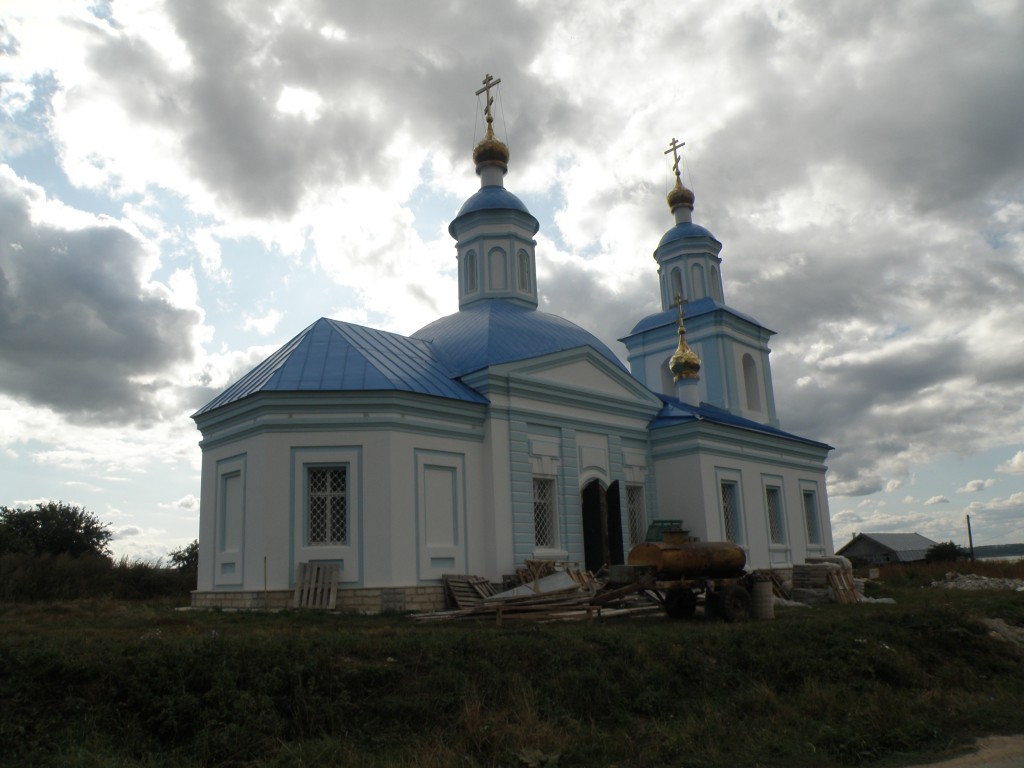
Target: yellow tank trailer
(681, 572)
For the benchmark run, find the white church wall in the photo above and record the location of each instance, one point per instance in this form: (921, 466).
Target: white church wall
(681, 493)
(692, 465)
(395, 497)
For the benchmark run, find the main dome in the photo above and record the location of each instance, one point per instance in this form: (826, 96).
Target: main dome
(495, 331)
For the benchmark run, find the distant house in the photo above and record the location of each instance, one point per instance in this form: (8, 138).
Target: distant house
(887, 547)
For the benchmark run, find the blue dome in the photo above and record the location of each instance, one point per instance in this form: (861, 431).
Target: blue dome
(685, 230)
(492, 197)
(495, 331)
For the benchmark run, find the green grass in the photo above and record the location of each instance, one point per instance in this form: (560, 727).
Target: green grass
(106, 682)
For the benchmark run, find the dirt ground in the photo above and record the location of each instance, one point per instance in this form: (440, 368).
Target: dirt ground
(992, 752)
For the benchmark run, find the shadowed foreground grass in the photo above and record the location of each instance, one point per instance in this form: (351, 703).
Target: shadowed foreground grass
(122, 684)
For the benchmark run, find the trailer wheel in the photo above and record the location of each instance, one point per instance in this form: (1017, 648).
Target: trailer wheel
(733, 603)
(680, 603)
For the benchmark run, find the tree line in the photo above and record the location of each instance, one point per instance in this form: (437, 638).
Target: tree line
(56, 550)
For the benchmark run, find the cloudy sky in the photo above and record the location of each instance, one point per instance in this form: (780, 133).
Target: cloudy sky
(184, 186)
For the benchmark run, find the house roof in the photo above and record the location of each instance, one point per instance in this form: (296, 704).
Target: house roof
(906, 546)
(333, 356)
(678, 412)
(496, 331)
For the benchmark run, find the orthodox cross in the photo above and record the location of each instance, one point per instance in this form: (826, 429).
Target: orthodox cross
(489, 81)
(674, 148)
(678, 302)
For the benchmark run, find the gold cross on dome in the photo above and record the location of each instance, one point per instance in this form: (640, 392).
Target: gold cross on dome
(488, 82)
(674, 148)
(678, 303)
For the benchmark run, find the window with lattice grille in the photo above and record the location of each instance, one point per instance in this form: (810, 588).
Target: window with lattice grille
(811, 516)
(327, 511)
(776, 517)
(637, 513)
(730, 511)
(545, 527)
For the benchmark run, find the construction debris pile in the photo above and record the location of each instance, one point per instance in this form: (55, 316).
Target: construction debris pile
(973, 581)
(546, 591)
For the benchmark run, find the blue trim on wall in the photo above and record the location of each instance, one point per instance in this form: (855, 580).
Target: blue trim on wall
(521, 476)
(570, 517)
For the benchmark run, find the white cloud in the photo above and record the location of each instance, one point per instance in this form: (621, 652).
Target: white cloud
(263, 325)
(974, 486)
(936, 500)
(1014, 466)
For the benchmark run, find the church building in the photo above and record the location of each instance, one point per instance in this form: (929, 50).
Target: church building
(501, 433)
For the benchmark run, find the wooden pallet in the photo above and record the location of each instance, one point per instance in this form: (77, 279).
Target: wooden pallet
(316, 586)
(842, 586)
(468, 591)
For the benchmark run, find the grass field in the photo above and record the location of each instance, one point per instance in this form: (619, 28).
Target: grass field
(115, 683)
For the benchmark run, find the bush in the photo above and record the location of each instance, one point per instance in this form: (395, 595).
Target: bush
(26, 577)
(186, 557)
(946, 552)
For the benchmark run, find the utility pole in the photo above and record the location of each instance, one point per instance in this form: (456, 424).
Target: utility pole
(970, 538)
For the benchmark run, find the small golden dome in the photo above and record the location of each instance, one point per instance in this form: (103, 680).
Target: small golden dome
(491, 151)
(684, 363)
(680, 197)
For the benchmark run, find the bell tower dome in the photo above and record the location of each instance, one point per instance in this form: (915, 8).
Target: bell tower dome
(494, 230)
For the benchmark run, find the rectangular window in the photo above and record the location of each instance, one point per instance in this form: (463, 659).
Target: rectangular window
(545, 527)
(730, 511)
(636, 511)
(327, 510)
(811, 517)
(776, 514)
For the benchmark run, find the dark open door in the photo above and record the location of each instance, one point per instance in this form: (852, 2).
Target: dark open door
(602, 526)
(594, 516)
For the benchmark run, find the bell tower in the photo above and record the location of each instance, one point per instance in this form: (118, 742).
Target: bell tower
(494, 230)
(731, 347)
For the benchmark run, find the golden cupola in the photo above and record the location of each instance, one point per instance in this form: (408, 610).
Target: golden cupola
(680, 199)
(684, 363)
(491, 151)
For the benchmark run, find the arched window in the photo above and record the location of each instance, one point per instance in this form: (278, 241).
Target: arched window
(524, 272)
(469, 272)
(751, 384)
(497, 270)
(697, 281)
(716, 284)
(677, 286)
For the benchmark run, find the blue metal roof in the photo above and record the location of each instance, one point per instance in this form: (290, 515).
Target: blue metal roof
(496, 331)
(332, 356)
(492, 197)
(684, 230)
(690, 310)
(677, 412)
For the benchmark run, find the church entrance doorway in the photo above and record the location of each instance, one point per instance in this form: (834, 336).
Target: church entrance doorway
(602, 526)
